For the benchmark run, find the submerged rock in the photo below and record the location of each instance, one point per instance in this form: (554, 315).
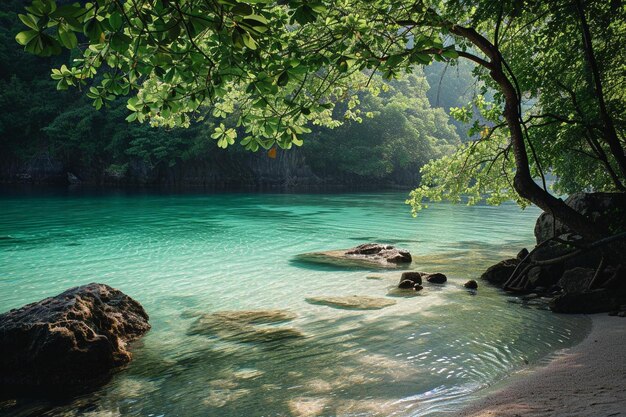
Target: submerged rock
(69, 342)
(367, 255)
(353, 302)
(246, 326)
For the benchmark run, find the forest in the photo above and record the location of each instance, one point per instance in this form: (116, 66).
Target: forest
(391, 135)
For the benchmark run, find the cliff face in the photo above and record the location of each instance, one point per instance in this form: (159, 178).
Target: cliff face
(289, 170)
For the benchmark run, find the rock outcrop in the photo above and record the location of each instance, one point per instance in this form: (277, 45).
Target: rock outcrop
(69, 342)
(608, 208)
(500, 272)
(368, 255)
(579, 278)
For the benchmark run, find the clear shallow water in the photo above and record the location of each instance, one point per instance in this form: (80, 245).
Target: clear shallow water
(184, 254)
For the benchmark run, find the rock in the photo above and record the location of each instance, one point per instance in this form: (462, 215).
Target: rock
(72, 179)
(500, 272)
(69, 342)
(418, 287)
(246, 326)
(369, 255)
(436, 278)
(542, 276)
(406, 284)
(383, 252)
(595, 301)
(607, 207)
(471, 284)
(576, 280)
(354, 302)
(415, 277)
(621, 314)
(522, 254)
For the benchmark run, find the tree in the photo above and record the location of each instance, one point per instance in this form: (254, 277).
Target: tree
(282, 64)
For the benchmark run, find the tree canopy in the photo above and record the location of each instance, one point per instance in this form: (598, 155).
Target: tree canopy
(280, 66)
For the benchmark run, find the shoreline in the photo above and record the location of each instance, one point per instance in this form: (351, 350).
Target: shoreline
(586, 380)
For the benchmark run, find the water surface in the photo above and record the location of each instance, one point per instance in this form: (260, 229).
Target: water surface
(181, 255)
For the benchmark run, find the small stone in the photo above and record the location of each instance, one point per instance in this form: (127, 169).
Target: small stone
(406, 284)
(418, 287)
(416, 277)
(622, 314)
(436, 278)
(471, 284)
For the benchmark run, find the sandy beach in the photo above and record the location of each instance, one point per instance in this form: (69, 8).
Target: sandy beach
(587, 380)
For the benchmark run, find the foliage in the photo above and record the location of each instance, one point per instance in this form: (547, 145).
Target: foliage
(399, 132)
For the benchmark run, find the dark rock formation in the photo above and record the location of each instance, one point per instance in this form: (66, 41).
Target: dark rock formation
(562, 265)
(406, 284)
(471, 285)
(500, 272)
(368, 255)
(577, 280)
(382, 252)
(608, 208)
(68, 342)
(595, 301)
(436, 278)
(415, 277)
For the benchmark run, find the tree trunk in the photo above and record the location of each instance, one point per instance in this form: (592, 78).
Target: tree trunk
(608, 127)
(523, 182)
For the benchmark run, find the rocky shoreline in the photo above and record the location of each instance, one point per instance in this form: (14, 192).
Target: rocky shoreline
(578, 277)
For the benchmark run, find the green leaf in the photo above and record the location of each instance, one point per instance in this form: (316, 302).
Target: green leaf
(450, 53)
(29, 21)
(248, 41)
(116, 20)
(23, 38)
(68, 38)
(283, 79)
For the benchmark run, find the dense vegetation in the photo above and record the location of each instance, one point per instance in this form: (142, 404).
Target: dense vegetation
(278, 67)
(388, 137)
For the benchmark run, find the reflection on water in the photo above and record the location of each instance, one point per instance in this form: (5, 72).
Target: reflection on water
(186, 257)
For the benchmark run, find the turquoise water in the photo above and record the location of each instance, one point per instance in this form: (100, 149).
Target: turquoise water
(180, 255)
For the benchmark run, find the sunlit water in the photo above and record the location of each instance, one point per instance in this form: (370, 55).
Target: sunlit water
(183, 254)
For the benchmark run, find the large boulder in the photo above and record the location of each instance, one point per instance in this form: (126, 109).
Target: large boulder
(368, 255)
(609, 208)
(69, 342)
(500, 272)
(576, 280)
(594, 301)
